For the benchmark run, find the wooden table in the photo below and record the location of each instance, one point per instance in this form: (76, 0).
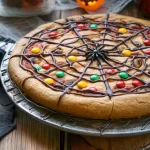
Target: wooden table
(33, 135)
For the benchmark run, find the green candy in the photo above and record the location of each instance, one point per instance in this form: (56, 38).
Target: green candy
(94, 26)
(37, 68)
(94, 77)
(123, 75)
(60, 74)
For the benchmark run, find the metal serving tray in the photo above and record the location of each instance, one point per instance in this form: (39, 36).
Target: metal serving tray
(105, 128)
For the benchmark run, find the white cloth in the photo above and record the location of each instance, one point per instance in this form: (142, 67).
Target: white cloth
(15, 28)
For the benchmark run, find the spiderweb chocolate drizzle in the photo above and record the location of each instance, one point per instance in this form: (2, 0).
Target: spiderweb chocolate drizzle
(92, 51)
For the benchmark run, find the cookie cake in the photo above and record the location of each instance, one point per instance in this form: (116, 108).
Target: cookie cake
(92, 66)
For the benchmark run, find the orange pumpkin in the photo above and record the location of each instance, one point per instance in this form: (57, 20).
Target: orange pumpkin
(90, 4)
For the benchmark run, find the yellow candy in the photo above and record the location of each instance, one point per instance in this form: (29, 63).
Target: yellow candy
(72, 58)
(48, 80)
(82, 84)
(35, 50)
(126, 52)
(122, 30)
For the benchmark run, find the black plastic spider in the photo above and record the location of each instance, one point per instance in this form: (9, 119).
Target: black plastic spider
(96, 54)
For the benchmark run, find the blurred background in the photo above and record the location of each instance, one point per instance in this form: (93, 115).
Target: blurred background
(40, 11)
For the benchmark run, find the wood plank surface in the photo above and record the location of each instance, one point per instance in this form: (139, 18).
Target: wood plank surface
(33, 135)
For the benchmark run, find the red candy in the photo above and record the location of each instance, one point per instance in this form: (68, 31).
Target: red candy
(110, 71)
(136, 83)
(147, 52)
(146, 42)
(93, 89)
(120, 84)
(81, 26)
(53, 33)
(46, 66)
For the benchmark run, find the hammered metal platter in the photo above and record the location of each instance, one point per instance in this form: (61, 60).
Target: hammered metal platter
(109, 128)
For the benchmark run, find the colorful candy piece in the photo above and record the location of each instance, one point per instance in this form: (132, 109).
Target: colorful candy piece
(81, 26)
(147, 52)
(122, 30)
(60, 74)
(46, 66)
(54, 33)
(120, 84)
(49, 80)
(72, 58)
(37, 67)
(136, 83)
(93, 26)
(146, 42)
(94, 77)
(110, 71)
(36, 50)
(93, 89)
(126, 52)
(123, 75)
(82, 84)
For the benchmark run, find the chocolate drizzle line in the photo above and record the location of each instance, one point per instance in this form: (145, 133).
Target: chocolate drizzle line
(95, 51)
